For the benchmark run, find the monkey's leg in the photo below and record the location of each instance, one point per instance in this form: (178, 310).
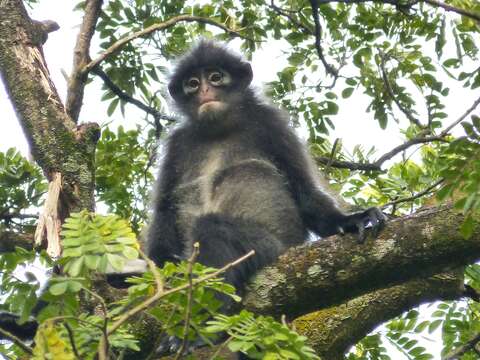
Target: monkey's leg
(224, 239)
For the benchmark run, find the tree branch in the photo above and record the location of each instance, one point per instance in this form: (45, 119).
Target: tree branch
(10, 240)
(155, 27)
(389, 89)
(125, 97)
(428, 190)
(458, 352)
(447, 7)
(56, 143)
(351, 321)
(421, 140)
(347, 164)
(333, 270)
(461, 118)
(78, 78)
(318, 39)
(297, 23)
(407, 6)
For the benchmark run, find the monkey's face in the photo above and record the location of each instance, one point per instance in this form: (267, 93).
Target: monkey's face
(208, 92)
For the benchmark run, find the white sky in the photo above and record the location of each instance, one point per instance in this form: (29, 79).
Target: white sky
(351, 121)
(353, 124)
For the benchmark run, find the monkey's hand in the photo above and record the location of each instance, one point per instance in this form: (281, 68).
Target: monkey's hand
(357, 222)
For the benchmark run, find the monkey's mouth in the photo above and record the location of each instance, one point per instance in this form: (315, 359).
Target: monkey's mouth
(206, 101)
(211, 105)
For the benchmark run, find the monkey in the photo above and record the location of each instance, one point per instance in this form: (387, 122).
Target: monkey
(235, 177)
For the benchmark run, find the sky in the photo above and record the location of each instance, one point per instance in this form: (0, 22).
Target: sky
(352, 124)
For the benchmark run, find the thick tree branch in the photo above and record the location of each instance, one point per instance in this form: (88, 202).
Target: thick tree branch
(155, 27)
(349, 322)
(10, 240)
(407, 6)
(78, 78)
(57, 144)
(333, 270)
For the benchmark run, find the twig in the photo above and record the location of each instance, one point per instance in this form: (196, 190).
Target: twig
(390, 92)
(347, 164)
(78, 78)
(318, 38)
(156, 27)
(456, 353)
(103, 343)
(72, 340)
(461, 118)
(17, 341)
(188, 312)
(405, 146)
(402, 7)
(124, 96)
(158, 294)
(162, 293)
(447, 7)
(413, 197)
(220, 348)
(284, 13)
(332, 155)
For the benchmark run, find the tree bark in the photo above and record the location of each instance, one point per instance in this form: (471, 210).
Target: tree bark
(333, 270)
(57, 144)
(331, 331)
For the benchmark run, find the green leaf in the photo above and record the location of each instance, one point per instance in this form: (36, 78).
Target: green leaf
(58, 288)
(347, 92)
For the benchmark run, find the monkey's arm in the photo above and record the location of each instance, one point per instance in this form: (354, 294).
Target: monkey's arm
(319, 209)
(163, 243)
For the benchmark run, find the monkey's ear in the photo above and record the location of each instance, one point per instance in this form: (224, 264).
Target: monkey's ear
(175, 88)
(244, 74)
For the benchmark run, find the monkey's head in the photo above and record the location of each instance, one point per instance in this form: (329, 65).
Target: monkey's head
(209, 81)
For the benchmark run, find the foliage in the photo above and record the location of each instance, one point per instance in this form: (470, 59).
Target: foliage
(21, 188)
(261, 337)
(123, 176)
(461, 168)
(95, 242)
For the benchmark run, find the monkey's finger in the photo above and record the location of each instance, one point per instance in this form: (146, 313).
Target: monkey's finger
(168, 345)
(376, 224)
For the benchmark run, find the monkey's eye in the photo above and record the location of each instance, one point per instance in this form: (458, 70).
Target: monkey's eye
(191, 85)
(215, 78)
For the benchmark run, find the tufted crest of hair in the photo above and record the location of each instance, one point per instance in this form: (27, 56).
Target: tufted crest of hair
(209, 54)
